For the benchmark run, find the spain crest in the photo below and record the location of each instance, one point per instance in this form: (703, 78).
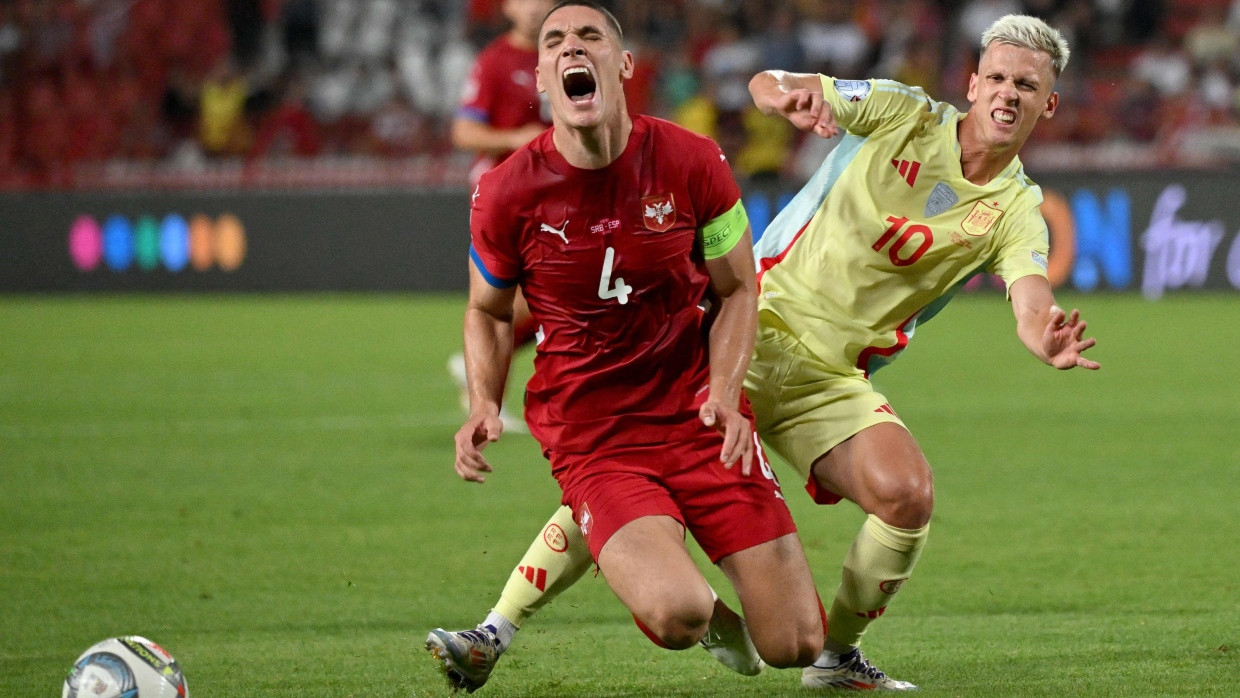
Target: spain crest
(981, 219)
(659, 212)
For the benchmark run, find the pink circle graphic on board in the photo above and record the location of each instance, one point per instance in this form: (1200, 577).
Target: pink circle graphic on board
(85, 243)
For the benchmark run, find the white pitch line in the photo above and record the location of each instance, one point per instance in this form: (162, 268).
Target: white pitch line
(105, 428)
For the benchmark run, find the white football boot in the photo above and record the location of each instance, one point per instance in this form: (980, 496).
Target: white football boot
(466, 657)
(853, 672)
(727, 639)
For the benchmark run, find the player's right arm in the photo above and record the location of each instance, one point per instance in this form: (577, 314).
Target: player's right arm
(488, 353)
(470, 134)
(472, 129)
(795, 96)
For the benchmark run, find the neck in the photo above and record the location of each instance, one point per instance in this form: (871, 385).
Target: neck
(594, 147)
(979, 163)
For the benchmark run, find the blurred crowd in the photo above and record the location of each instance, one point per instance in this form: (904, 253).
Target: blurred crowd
(185, 84)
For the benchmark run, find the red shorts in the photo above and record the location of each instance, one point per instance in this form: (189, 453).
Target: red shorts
(725, 511)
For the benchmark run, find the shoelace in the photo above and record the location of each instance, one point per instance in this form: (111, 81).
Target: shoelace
(478, 635)
(862, 665)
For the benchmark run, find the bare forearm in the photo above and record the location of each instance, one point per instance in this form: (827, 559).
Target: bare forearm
(1030, 326)
(481, 138)
(1032, 301)
(488, 353)
(731, 344)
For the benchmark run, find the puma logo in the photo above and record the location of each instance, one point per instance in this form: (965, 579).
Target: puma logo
(560, 233)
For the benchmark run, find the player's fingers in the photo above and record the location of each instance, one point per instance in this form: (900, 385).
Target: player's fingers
(815, 107)
(1086, 363)
(467, 472)
(708, 415)
(731, 448)
(471, 476)
(493, 427)
(747, 454)
(465, 442)
(472, 459)
(468, 444)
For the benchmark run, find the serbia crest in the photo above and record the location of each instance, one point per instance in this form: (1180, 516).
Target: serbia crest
(659, 212)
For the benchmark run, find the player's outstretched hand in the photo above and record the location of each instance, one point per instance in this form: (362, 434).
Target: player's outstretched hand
(478, 431)
(1063, 340)
(737, 434)
(808, 112)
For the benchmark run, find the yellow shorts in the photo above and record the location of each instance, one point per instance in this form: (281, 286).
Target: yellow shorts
(804, 408)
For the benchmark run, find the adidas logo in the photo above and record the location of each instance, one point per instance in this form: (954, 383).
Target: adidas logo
(907, 169)
(535, 575)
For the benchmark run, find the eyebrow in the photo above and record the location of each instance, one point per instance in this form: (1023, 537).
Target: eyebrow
(560, 33)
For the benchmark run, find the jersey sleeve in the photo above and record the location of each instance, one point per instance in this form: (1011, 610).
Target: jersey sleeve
(863, 106)
(476, 95)
(721, 218)
(493, 236)
(1026, 243)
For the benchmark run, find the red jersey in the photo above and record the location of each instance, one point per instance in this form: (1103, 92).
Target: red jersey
(501, 92)
(610, 264)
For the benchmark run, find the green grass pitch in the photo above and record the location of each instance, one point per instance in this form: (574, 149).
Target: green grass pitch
(263, 485)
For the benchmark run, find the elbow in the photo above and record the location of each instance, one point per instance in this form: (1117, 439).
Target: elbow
(760, 86)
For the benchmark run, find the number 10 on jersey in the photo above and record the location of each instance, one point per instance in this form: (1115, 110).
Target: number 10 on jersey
(912, 231)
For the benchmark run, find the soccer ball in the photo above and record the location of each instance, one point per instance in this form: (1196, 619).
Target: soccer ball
(125, 667)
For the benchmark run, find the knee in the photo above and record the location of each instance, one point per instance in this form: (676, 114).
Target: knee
(797, 648)
(678, 626)
(904, 500)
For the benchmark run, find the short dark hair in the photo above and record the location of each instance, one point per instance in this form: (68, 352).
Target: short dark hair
(611, 19)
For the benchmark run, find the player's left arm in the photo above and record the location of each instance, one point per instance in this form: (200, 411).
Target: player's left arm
(734, 282)
(1054, 336)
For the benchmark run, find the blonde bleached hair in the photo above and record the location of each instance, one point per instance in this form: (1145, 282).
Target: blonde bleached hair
(1031, 33)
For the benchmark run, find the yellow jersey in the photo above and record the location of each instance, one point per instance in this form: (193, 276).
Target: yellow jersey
(888, 229)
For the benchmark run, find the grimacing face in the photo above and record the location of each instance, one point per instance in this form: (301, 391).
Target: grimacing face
(1012, 88)
(581, 66)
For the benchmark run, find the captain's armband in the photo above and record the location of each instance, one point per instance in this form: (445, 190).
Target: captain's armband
(720, 235)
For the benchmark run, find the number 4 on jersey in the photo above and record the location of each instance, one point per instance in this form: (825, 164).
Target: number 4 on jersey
(621, 290)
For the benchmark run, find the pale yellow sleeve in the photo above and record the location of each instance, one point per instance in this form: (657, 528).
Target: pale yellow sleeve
(1024, 246)
(863, 106)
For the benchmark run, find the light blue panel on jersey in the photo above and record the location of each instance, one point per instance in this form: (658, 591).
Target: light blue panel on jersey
(927, 313)
(796, 214)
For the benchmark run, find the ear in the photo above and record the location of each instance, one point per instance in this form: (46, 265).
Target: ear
(538, 83)
(626, 68)
(1052, 103)
(972, 94)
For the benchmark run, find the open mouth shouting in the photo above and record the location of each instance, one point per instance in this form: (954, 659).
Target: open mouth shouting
(579, 85)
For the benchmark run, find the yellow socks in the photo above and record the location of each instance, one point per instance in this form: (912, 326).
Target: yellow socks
(877, 565)
(552, 564)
